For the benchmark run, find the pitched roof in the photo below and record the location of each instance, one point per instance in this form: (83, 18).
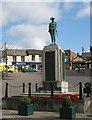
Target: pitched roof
(21, 52)
(15, 52)
(78, 59)
(34, 52)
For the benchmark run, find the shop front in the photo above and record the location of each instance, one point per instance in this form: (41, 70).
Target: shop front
(19, 66)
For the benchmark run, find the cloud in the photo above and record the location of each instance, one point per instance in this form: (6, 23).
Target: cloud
(68, 6)
(36, 42)
(28, 30)
(29, 22)
(83, 12)
(28, 43)
(36, 13)
(31, 36)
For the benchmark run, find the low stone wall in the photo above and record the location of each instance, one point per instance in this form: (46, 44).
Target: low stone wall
(52, 104)
(82, 105)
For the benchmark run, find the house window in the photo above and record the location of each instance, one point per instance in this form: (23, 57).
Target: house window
(14, 58)
(40, 58)
(33, 57)
(66, 54)
(22, 58)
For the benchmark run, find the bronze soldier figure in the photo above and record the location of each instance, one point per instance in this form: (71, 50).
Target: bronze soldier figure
(52, 30)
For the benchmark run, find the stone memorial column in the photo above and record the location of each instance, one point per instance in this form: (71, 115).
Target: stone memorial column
(54, 68)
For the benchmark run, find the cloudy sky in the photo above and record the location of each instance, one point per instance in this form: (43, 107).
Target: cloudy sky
(25, 24)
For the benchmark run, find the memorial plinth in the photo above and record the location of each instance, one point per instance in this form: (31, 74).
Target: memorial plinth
(53, 63)
(54, 68)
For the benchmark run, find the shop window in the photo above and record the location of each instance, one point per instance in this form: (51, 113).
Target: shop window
(33, 57)
(22, 58)
(14, 58)
(34, 66)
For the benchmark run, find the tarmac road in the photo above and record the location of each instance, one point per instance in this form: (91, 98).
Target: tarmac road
(15, 81)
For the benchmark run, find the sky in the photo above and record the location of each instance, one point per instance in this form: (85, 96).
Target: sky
(25, 24)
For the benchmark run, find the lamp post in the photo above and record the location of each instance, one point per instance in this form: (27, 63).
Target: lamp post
(6, 57)
(91, 60)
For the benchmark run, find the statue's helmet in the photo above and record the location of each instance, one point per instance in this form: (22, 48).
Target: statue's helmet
(52, 18)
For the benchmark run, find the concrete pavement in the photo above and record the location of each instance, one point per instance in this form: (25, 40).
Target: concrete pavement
(40, 115)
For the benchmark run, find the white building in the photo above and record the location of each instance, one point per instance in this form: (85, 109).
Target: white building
(19, 58)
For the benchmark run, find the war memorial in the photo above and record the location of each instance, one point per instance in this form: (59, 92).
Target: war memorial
(54, 83)
(54, 64)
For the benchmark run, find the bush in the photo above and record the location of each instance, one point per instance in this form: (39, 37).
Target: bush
(66, 102)
(25, 101)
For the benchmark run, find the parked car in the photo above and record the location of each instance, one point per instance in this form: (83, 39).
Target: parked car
(30, 69)
(10, 69)
(40, 69)
(1, 67)
(4, 67)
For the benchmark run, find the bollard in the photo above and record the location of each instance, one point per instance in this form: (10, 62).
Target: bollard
(23, 87)
(52, 90)
(6, 90)
(2, 75)
(29, 95)
(80, 90)
(36, 87)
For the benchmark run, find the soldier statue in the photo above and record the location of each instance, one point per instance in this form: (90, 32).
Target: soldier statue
(52, 30)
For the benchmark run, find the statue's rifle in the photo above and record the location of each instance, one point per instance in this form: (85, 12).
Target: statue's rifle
(57, 34)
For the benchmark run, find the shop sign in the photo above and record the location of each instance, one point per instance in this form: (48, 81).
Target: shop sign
(66, 59)
(25, 63)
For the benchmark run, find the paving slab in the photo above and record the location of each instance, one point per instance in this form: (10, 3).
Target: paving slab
(13, 115)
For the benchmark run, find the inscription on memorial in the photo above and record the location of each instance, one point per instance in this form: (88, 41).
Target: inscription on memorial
(50, 66)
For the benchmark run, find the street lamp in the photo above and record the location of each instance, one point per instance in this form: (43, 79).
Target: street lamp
(91, 59)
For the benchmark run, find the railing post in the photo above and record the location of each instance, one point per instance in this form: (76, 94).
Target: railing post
(80, 90)
(52, 90)
(36, 87)
(6, 90)
(29, 95)
(23, 87)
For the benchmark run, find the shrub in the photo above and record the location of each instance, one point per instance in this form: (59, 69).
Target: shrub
(66, 102)
(25, 100)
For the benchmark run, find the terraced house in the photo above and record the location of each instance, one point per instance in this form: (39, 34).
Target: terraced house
(17, 59)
